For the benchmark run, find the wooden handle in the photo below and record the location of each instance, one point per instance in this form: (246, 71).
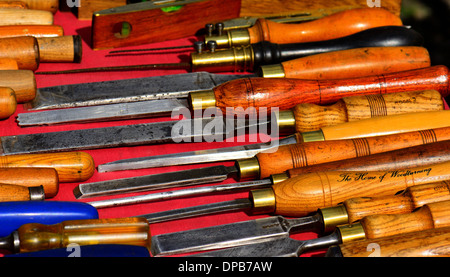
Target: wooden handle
(23, 82)
(8, 64)
(311, 117)
(37, 31)
(304, 194)
(8, 102)
(317, 152)
(14, 193)
(401, 203)
(71, 166)
(428, 243)
(25, 50)
(32, 177)
(60, 49)
(420, 155)
(45, 5)
(25, 17)
(433, 215)
(285, 93)
(357, 62)
(333, 26)
(13, 4)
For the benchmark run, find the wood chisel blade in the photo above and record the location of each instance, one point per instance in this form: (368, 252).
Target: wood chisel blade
(231, 235)
(127, 90)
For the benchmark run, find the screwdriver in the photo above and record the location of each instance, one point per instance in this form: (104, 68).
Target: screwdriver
(16, 213)
(428, 243)
(324, 221)
(416, 156)
(47, 178)
(304, 194)
(34, 236)
(429, 216)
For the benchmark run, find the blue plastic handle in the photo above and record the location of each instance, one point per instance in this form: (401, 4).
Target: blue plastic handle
(88, 251)
(15, 214)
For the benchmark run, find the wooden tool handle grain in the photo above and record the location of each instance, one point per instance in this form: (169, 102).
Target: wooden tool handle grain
(25, 17)
(25, 50)
(306, 193)
(333, 26)
(60, 49)
(36, 31)
(8, 64)
(8, 102)
(32, 177)
(23, 82)
(45, 5)
(13, 193)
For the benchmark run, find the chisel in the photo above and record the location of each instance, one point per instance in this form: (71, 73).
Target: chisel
(427, 243)
(416, 156)
(429, 216)
(308, 118)
(47, 178)
(15, 214)
(8, 102)
(355, 63)
(262, 166)
(30, 237)
(304, 194)
(324, 221)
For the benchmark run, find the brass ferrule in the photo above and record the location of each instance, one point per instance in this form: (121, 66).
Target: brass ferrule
(313, 136)
(248, 168)
(286, 122)
(278, 178)
(351, 232)
(272, 71)
(230, 38)
(236, 59)
(200, 100)
(263, 201)
(333, 216)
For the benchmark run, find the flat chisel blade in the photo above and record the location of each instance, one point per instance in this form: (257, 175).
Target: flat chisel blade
(127, 90)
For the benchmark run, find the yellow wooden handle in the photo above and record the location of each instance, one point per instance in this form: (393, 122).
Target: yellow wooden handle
(25, 17)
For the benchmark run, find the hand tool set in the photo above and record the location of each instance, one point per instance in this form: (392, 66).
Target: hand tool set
(316, 131)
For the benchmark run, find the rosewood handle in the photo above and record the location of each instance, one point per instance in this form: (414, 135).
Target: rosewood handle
(429, 216)
(25, 50)
(32, 177)
(286, 93)
(336, 25)
(71, 166)
(317, 152)
(8, 102)
(311, 117)
(23, 82)
(304, 194)
(36, 31)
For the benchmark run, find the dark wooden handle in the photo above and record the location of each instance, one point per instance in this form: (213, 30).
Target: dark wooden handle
(32, 177)
(336, 25)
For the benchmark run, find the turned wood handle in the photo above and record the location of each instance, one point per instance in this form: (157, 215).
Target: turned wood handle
(433, 215)
(25, 50)
(357, 62)
(23, 82)
(60, 49)
(71, 166)
(286, 93)
(8, 64)
(14, 193)
(32, 177)
(36, 31)
(401, 203)
(428, 243)
(336, 25)
(8, 102)
(25, 17)
(415, 156)
(306, 193)
(13, 4)
(317, 152)
(45, 5)
(311, 117)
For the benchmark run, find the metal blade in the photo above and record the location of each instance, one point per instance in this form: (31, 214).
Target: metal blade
(232, 235)
(155, 181)
(128, 90)
(110, 112)
(194, 157)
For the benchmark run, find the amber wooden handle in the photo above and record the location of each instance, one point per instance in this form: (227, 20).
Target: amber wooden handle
(401, 203)
(317, 152)
(36, 31)
(32, 177)
(17, 193)
(8, 64)
(304, 194)
(23, 82)
(25, 50)
(428, 243)
(420, 155)
(8, 102)
(336, 25)
(71, 166)
(45, 5)
(13, 4)
(60, 49)
(285, 93)
(311, 117)
(25, 17)
(357, 62)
